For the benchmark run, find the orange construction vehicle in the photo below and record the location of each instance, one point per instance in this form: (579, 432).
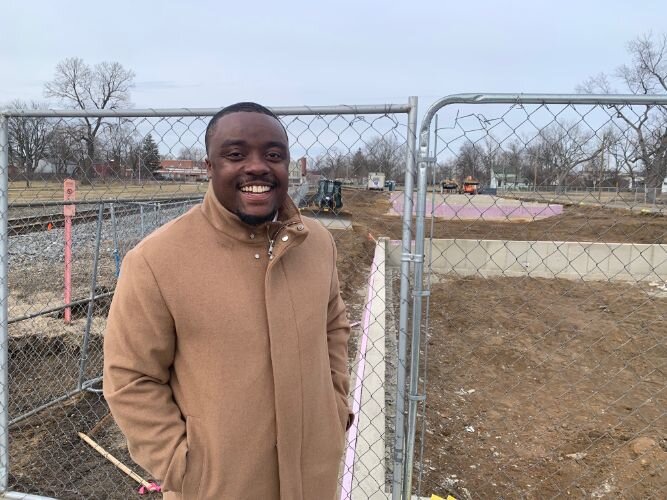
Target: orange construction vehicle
(470, 186)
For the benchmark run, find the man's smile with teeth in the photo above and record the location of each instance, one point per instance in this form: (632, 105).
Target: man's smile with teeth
(255, 189)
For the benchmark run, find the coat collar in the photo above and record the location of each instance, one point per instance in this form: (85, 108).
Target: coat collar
(289, 219)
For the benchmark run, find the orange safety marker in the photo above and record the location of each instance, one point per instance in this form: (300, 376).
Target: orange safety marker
(68, 212)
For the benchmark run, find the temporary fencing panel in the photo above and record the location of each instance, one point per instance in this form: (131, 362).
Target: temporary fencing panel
(544, 298)
(139, 170)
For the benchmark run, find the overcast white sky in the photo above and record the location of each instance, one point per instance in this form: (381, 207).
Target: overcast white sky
(212, 53)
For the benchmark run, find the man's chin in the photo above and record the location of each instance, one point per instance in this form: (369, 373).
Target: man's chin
(255, 220)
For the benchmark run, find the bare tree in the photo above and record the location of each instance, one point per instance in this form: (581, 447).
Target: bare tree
(333, 164)
(512, 163)
(104, 86)
(28, 139)
(118, 141)
(645, 74)
(561, 148)
(194, 153)
(491, 153)
(386, 154)
(65, 150)
(358, 165)
(468, 162)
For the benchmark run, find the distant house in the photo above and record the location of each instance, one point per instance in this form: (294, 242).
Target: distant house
(45, 167)
(103, 170)
(178, 164)
(182, 170)
(297, 171)
(509, 181)
(637, 182)
(640, 183)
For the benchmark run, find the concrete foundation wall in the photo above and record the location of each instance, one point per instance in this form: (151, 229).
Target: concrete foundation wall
(545, 259)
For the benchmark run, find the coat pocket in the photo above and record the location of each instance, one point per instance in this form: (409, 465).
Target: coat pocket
(343, 416)
(195, 460)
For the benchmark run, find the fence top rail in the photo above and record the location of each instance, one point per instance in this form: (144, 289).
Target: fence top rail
(365, 109)
(508, 98)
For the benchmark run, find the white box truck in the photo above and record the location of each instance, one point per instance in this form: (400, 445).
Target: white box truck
(376, 181)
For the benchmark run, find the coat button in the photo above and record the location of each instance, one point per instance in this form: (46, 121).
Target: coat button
(257, 256)
(299, 227)
(285, 238)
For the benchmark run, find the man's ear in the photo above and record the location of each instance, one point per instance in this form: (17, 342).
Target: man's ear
(209, 167)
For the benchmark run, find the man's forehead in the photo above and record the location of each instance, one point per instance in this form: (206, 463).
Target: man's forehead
(244, 123)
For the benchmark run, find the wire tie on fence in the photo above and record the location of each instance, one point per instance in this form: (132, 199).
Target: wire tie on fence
(423, 293)
(417, 397)
(412, 257)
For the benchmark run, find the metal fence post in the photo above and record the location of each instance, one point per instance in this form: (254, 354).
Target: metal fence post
(91, 303)
(4, 296)
(417, 293)
(406, 254)
(116, 252)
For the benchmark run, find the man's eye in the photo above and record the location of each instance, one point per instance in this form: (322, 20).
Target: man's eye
(274, 156)
(234, 155)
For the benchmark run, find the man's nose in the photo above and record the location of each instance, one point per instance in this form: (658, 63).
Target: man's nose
(256, 164)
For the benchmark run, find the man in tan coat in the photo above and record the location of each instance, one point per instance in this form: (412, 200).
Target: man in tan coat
(225, 354)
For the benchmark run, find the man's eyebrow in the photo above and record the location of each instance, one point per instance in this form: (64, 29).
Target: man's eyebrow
(240, 142)
(276, 144)
(233, 142)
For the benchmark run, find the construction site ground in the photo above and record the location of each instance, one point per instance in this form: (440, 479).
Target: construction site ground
(540, 388)
(518, 343)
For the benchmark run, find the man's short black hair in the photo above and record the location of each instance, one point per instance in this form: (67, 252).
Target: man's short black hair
(247, 107)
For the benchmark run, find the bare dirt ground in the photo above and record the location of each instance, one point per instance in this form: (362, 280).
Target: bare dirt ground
(531, 384)
(545, 388)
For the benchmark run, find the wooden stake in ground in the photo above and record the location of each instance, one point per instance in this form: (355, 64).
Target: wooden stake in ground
(148, 485)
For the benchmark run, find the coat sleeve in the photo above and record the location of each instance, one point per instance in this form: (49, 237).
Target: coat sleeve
(139, 346)
(338, 333)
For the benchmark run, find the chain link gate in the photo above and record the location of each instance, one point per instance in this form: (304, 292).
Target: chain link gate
(545, 298)
(141, 169)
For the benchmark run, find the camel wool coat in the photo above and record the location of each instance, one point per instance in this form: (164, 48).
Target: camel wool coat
(227, 370)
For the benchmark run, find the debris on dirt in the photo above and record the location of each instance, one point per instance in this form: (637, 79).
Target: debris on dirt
(641, 445)
(603, 490)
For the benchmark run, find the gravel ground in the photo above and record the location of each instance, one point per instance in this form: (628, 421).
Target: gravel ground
(49, 245)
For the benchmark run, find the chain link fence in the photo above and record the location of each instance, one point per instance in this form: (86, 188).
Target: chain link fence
(539, 363)
(140, 170)
(524, 288)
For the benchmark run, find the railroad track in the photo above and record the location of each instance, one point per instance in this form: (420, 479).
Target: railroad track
(36, 223)
(45, 222)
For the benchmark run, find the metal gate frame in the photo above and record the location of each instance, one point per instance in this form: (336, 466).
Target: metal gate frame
(423, 164)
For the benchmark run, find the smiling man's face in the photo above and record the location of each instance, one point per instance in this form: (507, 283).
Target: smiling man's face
(248, 162)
